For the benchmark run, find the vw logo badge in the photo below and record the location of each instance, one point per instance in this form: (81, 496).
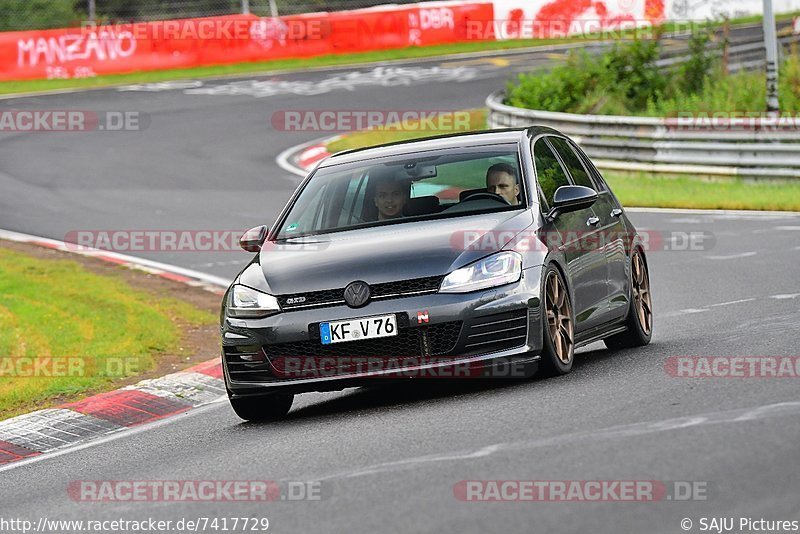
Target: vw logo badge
(356, 294)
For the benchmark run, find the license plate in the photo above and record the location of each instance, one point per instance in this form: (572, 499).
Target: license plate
(357, 329)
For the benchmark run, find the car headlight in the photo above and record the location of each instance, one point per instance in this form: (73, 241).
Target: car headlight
(247, 302)
(496, 270)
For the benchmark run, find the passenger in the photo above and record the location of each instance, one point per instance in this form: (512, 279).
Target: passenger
(391, 197)
(501, 179)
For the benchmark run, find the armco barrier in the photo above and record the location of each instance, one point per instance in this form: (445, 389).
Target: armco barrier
(734, 146)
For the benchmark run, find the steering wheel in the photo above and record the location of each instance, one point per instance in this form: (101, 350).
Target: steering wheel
(485, 195)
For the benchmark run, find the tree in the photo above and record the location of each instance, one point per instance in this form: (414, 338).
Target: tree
(37, 14)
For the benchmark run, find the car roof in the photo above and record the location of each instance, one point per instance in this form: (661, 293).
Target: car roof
(458, 140)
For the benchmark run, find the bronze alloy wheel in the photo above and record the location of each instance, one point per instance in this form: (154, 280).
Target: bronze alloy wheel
(559, 317)
(641, 294)
(639, 322)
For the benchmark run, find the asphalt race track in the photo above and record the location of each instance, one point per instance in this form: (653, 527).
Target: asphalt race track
(388, 458)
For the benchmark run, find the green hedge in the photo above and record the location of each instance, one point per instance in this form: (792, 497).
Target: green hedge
(37, 14)
(626, 81)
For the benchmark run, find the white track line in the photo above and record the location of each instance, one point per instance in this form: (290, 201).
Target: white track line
(786, 214)
(88, 251)
(113, 436)
(733, 256)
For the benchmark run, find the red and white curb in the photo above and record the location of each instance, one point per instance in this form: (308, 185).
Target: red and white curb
(301, 159)
(309, 157)
(44, 431)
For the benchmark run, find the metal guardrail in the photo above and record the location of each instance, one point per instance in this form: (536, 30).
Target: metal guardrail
(756, 148)
(751, 147)
(745, 52)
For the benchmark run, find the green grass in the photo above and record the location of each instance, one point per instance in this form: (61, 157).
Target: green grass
(57, 308)
(647, 190)
(26, 86)
(635, 189)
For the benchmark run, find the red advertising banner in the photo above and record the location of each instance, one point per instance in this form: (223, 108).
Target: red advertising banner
(96, 50)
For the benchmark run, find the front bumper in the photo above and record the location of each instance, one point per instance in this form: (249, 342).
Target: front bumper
(497, 330)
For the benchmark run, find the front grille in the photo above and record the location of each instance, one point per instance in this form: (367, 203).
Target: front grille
(500, 331)
(386, 290)
(303, 358)
(441, 337)
(404, 287)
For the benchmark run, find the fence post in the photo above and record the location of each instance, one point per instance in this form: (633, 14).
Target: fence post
(771, 44)
(726, 43)
(92, 10)
(245, 7)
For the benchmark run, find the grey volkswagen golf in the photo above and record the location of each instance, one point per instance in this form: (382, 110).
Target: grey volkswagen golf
(475, 255)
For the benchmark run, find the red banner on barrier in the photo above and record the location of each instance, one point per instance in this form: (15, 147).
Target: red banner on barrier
(95, 50)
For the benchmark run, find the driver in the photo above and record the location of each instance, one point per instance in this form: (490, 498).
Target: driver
(391, 197)
(501, 179)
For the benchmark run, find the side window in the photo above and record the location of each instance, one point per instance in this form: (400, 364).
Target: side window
(549, 172)
(573, 163)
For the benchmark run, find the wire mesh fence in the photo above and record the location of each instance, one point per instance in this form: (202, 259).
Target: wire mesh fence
(43, 14)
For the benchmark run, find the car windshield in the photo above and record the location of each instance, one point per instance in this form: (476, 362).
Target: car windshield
(398, 189)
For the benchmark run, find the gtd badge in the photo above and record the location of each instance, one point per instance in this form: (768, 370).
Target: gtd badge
(295, 300)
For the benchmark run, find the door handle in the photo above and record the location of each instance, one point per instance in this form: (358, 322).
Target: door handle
(593, 221)
(616, 212)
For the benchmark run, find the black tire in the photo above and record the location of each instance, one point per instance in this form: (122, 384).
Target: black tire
(558, 350)
(638, 334)
(262, 408)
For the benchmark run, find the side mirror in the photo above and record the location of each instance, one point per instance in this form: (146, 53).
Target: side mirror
(571, 198)
(252, 239)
